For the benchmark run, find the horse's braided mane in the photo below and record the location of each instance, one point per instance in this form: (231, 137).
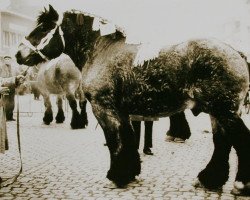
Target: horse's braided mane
(47, 16)
(102, 20)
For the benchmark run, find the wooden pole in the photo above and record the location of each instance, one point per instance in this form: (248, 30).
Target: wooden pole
(3, 129)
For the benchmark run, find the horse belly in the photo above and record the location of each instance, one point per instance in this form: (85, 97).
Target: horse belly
(160, 105)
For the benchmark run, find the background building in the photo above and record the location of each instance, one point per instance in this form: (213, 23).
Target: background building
(15, 23)
(161, 21)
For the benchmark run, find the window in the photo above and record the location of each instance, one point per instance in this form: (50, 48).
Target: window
(6, 39)
(11, 39)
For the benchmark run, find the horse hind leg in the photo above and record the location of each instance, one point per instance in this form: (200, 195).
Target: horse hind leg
(216, 172)
(179, 127)
(75, 120)
(48, 115)
(239, 136)
(60, 114)
(82, 104)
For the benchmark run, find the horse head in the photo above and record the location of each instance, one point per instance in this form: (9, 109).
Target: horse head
(74, 33)
(45, 42)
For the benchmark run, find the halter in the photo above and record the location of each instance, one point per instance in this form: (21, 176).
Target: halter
(46, 40)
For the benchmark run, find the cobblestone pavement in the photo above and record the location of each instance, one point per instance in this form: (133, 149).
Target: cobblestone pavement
(60, 163)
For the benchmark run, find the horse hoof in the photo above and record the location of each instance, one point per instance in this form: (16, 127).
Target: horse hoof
(48, 118)
(169, 138)
(59, 120)
(179, 140)
(46, 123)
(110, 185)
(77, 124)
(197, 184)
(240, 189)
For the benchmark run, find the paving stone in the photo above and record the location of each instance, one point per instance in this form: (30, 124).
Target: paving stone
(61, 163)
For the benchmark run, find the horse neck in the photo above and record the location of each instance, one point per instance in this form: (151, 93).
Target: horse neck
(76, 46)
(107, 43)
(82, 51)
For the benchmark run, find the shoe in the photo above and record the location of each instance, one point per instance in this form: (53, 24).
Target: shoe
(179, 140)
(148, 151)
(12, 119)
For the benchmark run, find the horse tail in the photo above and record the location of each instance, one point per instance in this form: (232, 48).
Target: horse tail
(245, 58)
(246, 100)
(57, 72)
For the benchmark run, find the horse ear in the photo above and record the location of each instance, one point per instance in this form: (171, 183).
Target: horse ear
(45, 9)
(52, 10)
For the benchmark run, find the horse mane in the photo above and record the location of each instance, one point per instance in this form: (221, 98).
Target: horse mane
(82, 36)
(47, 16)
(80, 31)
(118, 30)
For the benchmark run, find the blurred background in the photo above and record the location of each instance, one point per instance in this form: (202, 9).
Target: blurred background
(155, 21)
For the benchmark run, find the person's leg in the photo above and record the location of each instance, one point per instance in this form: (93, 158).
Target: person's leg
(148, 137)
(10, 104)
(137, 129)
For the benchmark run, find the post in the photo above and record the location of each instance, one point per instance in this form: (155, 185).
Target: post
(3, 129)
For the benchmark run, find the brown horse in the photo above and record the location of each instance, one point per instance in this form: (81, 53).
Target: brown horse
(61, 77)
(204, 75)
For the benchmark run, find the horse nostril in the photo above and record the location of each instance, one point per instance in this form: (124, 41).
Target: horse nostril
(18, 55)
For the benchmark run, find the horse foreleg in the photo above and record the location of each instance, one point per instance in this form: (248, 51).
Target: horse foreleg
(75, 120)
(179, 127)
(125, 160)
(216, 172)
(83, 105)
(48, 115)
(60, 114)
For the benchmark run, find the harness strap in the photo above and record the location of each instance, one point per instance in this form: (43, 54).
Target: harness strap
(46, 40)
(28, 44)
(11, 180)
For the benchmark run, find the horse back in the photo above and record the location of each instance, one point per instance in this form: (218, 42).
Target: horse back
(218, 79)
(207, 73)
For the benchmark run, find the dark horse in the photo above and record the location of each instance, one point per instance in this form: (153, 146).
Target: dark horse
(204, 75)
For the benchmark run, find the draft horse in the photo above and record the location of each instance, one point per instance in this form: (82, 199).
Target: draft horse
(61, 77)
(204, 75)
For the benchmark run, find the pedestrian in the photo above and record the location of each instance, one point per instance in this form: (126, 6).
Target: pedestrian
(4, 90)
(148, 140)
(6, 71)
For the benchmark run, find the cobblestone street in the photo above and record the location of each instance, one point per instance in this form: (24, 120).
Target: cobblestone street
(61, 163)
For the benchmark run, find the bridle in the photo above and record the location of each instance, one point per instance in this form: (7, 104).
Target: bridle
(44, 41)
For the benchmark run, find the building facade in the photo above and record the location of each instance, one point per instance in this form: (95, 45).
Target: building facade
(13, 27)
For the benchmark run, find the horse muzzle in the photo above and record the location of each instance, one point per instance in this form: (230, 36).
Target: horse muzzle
(22, 54)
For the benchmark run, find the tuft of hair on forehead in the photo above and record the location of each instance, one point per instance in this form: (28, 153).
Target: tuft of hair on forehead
(48, 16)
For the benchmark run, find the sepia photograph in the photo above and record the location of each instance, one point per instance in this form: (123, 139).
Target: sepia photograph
(125, 99)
